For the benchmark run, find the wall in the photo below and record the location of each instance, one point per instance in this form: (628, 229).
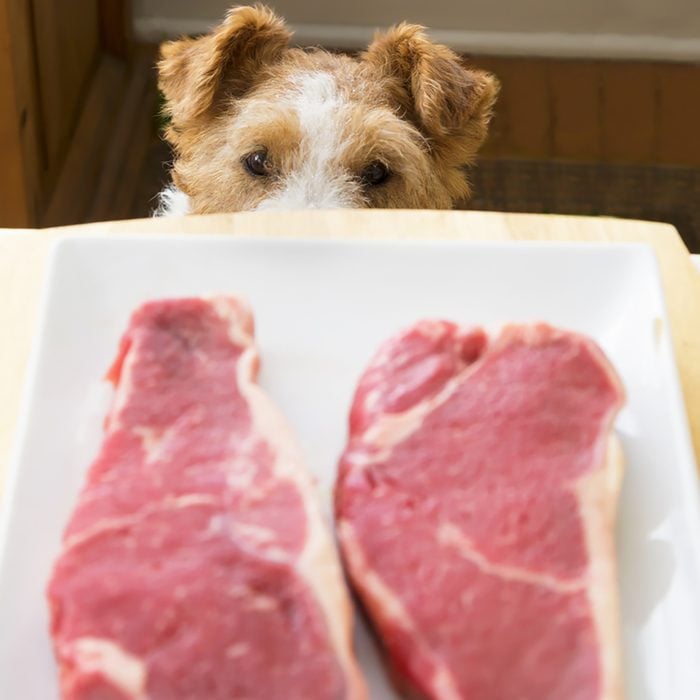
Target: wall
(644, 29)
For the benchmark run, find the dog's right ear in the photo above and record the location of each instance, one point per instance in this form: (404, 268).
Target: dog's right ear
(195, 75)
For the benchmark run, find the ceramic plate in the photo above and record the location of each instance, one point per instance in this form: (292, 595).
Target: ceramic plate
(322, 308)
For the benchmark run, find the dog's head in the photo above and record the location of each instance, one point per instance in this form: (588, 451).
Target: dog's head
(258, 125)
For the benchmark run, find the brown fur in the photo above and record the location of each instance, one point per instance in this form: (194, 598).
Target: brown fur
(413, 105)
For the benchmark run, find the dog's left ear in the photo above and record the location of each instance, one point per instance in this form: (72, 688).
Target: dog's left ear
(445, 99)
(196, 74)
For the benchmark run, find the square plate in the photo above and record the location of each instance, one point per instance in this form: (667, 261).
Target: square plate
(321, 309)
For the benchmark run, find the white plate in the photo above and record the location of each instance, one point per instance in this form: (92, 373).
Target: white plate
(321, 310)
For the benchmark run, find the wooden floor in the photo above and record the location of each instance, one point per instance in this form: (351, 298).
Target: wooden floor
(570, 137)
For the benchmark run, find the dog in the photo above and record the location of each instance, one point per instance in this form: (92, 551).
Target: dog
(255, 124)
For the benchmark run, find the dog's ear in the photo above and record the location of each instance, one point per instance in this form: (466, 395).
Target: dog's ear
(195, 74)
(444, 98)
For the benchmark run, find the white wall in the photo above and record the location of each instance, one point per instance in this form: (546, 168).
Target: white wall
(661, 29)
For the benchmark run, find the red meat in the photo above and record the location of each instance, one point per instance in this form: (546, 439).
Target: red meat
(196, 565)
(475, 507)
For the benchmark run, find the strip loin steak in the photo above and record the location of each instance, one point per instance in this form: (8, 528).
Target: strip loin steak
(475, 507)
(196, 565)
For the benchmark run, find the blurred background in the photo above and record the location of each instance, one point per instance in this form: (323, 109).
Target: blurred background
(599, 111)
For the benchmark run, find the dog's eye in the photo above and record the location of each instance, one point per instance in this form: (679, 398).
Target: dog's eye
(257, 163)
(375, 174)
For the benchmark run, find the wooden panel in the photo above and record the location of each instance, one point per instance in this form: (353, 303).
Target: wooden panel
(524, 108)
(13, 189)
(130, 137)
(75, 189)
(67, 43)
(583, 111)
(628, 112)
(678, 138)
(574, 89)
(21, 187)
(115, 21)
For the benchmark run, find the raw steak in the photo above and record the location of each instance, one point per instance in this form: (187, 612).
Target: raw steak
(196, 565)
(475, 507)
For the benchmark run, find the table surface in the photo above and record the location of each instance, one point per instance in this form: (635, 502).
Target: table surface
(23, 257)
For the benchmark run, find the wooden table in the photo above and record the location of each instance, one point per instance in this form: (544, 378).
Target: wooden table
(23, 257)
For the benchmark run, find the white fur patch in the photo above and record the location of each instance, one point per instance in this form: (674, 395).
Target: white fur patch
(319, 183)
(172, 202)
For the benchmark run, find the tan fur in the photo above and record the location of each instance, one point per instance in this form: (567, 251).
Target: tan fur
(410, 104)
